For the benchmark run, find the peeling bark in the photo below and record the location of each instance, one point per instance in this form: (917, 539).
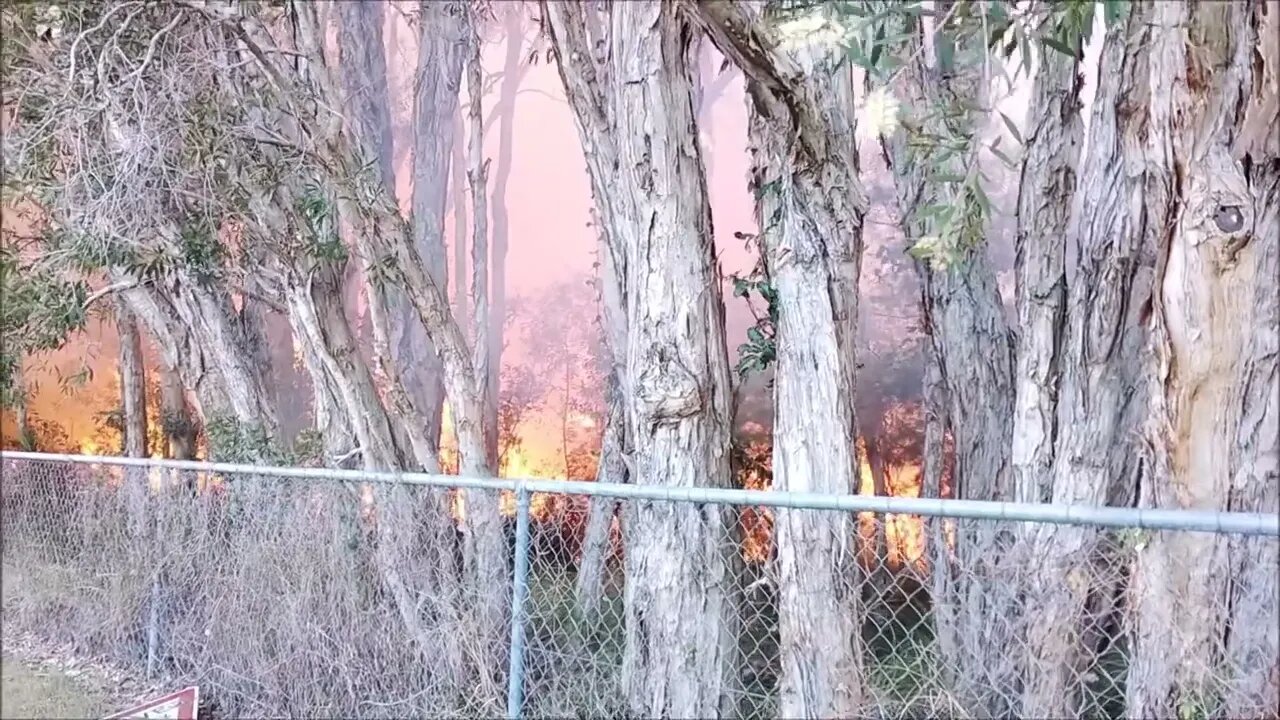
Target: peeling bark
(1045, 192)
(477, 181)
(179, 428)
(1213, 188)
(633, 94)
(809, 209)
(133, 383)
(612, 465)
(1100, 394)
(458, 186)
(589, 585)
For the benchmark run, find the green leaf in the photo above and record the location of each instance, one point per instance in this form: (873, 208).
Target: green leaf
(878, 46)
(755, 335)
(1113, 11)
(1013, 128)
(1058, 45)
(1008, 161)
(980, 196)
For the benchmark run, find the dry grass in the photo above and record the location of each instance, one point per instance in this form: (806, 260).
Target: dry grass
(33, 692)
(277, 611)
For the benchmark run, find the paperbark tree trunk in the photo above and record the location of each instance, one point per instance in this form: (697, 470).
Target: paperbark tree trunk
(363, 60)
(442, 48)
(612, 466)
(133, 383)
(216, 351)
(810, 206)
(1213, 164)
(1046, 189)
(1100, 393)
(681, 561)
(582, 48)
(458, 187)
(175, 415)
(478, 182)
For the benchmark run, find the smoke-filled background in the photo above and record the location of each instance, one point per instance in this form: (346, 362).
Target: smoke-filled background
(552, 373)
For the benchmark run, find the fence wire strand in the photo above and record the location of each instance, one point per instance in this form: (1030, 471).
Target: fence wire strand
(290, 596)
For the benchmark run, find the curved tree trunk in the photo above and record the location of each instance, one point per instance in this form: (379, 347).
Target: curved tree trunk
(810, 208)
(681, 561)
(612, 466)
(1211, 178)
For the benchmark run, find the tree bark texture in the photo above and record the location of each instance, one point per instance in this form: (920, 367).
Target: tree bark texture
(810, 206)
(680, 560)
(133, 382)
(1045, 192)
(612, 466)
(1099, 399)
(1211, 181)
(363, 60)
(175, 415)
(458, 188)
(478, 182)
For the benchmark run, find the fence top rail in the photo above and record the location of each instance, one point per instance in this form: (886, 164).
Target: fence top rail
(1080, 515)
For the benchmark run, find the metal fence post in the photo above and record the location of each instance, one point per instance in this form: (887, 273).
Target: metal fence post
(519, 592)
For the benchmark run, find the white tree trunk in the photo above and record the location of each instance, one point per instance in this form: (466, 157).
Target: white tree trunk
(441, 49)
(458, 187)
(1095, 461)
(680, 560)
(1213, 177)
(809, 209)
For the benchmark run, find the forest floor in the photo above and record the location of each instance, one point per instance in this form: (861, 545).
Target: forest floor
(36, 690)
(38, 683)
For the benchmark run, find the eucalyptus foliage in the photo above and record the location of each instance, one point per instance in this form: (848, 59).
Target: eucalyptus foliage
(975, 42)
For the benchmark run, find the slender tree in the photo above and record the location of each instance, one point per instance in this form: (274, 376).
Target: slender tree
(632, 94)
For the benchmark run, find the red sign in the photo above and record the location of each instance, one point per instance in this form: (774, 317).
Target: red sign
(181, 705)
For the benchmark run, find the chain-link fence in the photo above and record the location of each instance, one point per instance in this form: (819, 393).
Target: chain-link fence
(289, 592)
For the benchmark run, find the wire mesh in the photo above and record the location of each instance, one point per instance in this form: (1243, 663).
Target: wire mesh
(287, 597)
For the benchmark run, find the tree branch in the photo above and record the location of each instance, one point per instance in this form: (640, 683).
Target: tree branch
(741, 37)
(108, 290)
